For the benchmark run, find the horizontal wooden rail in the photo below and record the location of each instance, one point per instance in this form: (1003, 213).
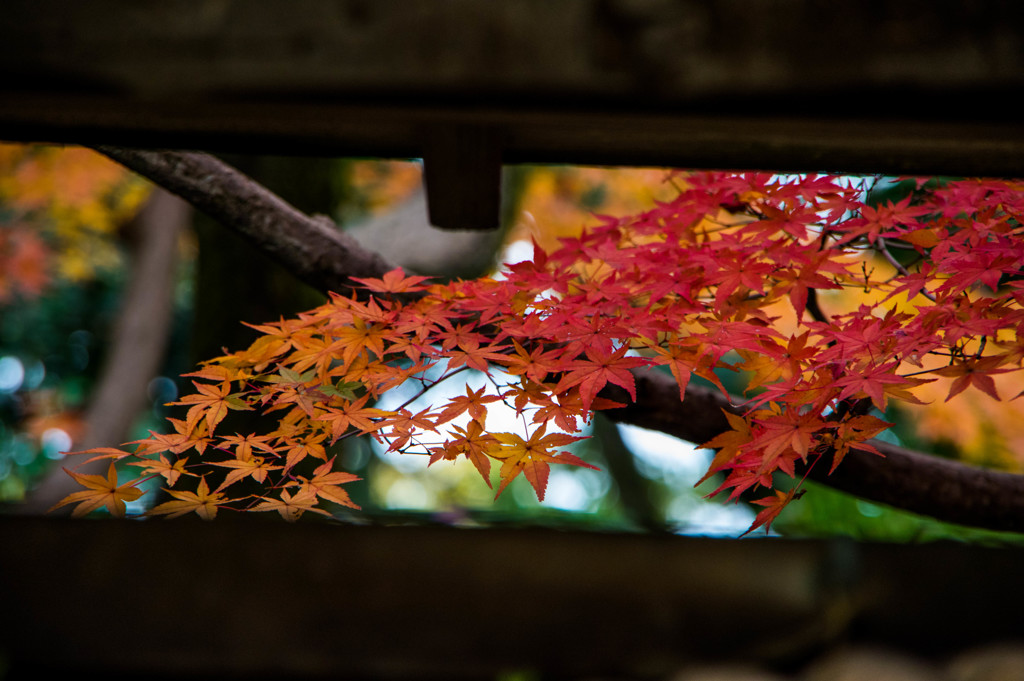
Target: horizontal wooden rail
(249, 598)
(829, 85)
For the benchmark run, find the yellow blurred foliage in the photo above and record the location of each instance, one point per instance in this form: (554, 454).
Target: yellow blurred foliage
(73, 196)
(559, 201)
(378, 185)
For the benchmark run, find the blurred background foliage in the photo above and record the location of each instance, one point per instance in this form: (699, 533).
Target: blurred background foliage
(66, 218)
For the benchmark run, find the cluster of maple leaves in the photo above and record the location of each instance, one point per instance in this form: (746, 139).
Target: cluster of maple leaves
(734, 274)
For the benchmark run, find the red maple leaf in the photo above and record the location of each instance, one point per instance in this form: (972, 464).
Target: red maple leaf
(773, 506)
(597, 370)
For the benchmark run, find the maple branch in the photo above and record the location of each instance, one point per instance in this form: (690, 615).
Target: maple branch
(881, 246)
(325, 258)
(311, 247)
(943, 489)
(814, 307)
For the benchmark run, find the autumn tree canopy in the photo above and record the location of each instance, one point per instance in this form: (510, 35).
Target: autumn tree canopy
(639, 317)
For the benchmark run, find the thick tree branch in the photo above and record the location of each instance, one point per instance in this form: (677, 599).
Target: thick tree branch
(325, 258)
(940, 488)
(311, 247)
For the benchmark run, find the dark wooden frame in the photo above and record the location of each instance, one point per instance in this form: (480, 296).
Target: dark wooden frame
(839, 85)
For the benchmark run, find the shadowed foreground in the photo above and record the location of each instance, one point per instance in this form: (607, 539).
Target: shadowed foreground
(265, 599)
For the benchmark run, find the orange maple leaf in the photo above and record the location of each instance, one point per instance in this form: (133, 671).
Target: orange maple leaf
(473, 441)
(201, 501)
(291, 508)
(531, 457)
(474, 402)
(163, 467)
(394, 281)
(569, 407)
(102, 491)
(728, 444)
(212, 402)
(176, 443)
(360, 336)
(102, 453)
(254, 467)
(352, 414)
(325, 483)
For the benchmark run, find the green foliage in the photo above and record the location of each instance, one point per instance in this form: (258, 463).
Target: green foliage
(825, 512)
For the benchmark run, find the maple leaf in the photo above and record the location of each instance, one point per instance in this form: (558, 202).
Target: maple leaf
(763, 369)
(535, 364)
(320, 353)
(393, 281)
(599, 369)
(289, 387)
(745, 472)
(212, 403)
(531, 457)
(244, 444)
(276, 341)
(291, 508)
(680, 361)
(101, 453)
(296, 450)
(976, 372)
(773, 506)
(793, 221)
(568, 406)
(877, 382)
(170, 472)
(202, 502)
(353, 414)
(184, 439)
(784, 430)
(102, 491)
(472, 441)
(356, 338)
(402, 425)
(727, 444)
(474, 355)
(253, 466)
(876, 220)
(851, 433)
(474, 402)
(325, 481)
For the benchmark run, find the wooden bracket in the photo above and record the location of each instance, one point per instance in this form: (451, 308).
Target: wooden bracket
(462, 171)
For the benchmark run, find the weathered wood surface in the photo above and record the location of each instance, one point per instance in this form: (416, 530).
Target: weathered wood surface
(827, 85)
(266, 599)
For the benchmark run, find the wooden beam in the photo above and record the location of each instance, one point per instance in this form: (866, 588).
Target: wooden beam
(262, 598)
(904, 86)
(727, 141)
(462, 171)
(634, 53)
